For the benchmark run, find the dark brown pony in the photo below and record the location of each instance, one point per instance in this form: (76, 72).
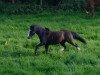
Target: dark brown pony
(90, 5)
(48, 37)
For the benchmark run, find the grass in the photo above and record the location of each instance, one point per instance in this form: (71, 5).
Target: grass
(16, 51)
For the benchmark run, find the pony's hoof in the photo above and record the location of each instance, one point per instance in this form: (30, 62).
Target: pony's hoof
(78, 48)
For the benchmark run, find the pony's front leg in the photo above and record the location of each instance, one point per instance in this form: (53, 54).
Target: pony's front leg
(46, 48)
(37, 46)
(64, 46)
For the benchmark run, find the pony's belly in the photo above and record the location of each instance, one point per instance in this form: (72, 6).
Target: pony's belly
(55, 38)
(53, 42)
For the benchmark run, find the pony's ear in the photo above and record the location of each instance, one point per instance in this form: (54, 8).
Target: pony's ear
(32, 27)
(47, 29)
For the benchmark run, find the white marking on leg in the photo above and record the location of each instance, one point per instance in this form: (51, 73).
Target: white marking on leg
(29, 32)
(62, 49)
(87, 12)
(78, 48)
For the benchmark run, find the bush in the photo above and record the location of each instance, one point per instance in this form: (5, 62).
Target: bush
(35, 7)
(19, 8)
(72, 4)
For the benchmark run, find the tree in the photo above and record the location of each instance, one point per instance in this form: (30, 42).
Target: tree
(13, 1)
(41, 2)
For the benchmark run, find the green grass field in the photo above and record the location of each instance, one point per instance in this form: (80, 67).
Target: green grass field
(17, 52)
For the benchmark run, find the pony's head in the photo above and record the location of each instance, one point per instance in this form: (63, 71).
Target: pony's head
(31, 32)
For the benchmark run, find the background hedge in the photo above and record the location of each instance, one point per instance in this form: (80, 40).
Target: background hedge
(37, 6)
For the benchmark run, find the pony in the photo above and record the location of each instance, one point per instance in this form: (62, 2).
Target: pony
(48, 37)
(90, 5)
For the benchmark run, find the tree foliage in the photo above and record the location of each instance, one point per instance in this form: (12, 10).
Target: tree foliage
(34, 6)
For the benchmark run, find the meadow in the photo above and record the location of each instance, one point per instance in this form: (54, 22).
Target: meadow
(17, 52)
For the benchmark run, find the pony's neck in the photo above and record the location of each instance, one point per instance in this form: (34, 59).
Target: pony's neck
(39, 31)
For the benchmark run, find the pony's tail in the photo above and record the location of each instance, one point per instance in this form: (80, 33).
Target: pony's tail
(76, 36)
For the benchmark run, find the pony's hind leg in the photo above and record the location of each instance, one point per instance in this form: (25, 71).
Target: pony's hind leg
(73, 43)
(70, 40)
(77, 46)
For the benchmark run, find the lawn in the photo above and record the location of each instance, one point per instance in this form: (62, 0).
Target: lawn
(17, 52)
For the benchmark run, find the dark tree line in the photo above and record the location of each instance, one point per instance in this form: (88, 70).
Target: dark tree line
(30, 6)
(53, 2)
(41, 2)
